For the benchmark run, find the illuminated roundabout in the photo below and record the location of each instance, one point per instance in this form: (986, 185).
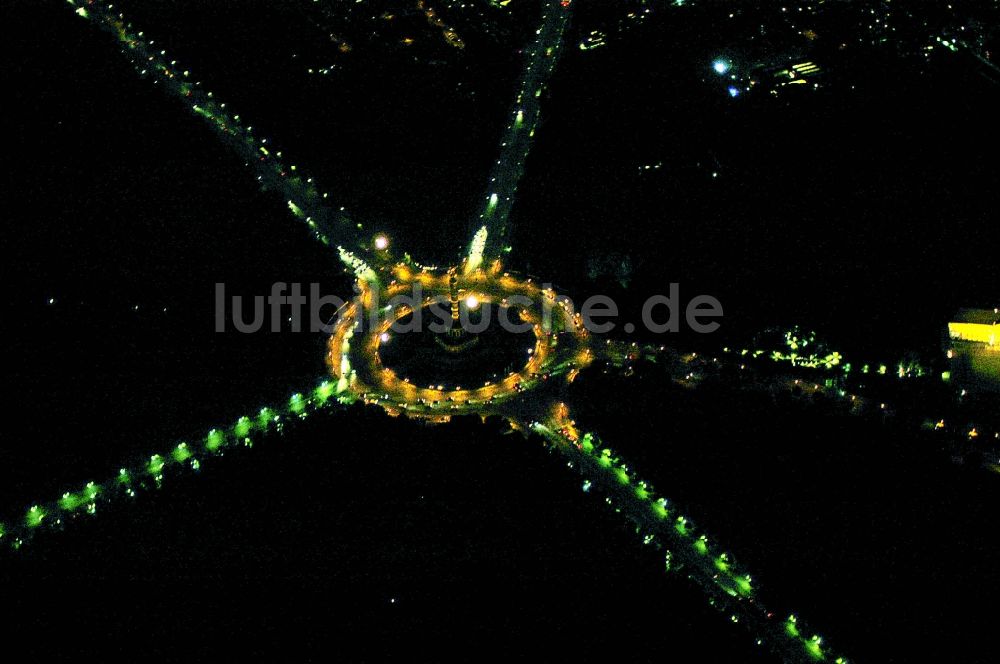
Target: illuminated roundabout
(561, 344)
(528, 395)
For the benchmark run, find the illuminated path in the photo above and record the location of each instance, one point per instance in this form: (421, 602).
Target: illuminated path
(148, 473)
(529, 398)
(328, 224)
(730, 589)
(490, 230)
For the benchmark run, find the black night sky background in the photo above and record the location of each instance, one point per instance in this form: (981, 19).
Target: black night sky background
(865, 209)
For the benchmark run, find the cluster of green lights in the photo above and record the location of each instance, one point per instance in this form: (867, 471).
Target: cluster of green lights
(86, 497)
(796, 341)
(621, 354)
(812, 645)
(830, 363)
(729, 587)
(150, 473)
(358, 266)
(798, 349)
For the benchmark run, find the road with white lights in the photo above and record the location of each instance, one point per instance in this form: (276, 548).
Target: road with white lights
(541, 58)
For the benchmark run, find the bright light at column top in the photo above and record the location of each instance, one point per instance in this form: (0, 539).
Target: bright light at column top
(381, 242)
(472, 302)
(720, 66)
